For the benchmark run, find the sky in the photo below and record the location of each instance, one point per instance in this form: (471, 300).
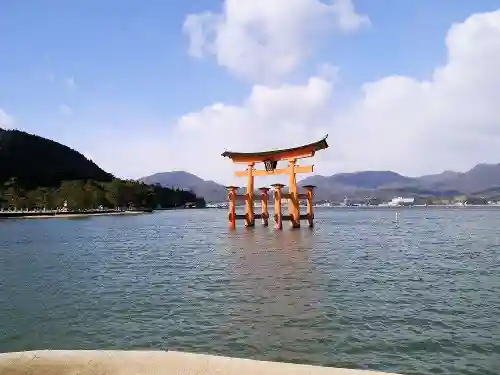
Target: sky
(143, 87)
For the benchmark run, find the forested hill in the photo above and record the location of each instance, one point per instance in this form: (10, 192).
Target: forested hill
(35, 161)
(38, 173)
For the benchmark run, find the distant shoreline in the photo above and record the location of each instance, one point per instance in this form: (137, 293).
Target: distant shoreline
(493, 206)
(416, 206)
(66, 214)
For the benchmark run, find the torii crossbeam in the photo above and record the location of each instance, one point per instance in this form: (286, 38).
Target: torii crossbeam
(270, 160)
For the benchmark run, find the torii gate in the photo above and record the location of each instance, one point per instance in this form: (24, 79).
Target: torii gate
(270, 160)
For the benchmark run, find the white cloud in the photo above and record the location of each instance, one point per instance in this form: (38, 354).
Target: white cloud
(270, 117)
(70, 83)
(451, 120)
(266, 39)
(6, 121)
(347, 17)
(327, 71)
(65, 110)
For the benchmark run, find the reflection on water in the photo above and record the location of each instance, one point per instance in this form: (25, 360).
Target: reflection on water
(276, 304)
(419, 296)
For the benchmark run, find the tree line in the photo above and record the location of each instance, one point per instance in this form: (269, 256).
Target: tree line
(89, 194)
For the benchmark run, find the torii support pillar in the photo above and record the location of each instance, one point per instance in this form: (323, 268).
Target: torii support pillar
(278, 223)
(264, 199)
(309, 199)
(231, 196)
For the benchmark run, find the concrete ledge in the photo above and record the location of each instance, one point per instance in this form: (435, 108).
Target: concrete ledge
(121, 362)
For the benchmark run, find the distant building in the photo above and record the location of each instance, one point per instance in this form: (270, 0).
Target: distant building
(373, 201)
(400, 201)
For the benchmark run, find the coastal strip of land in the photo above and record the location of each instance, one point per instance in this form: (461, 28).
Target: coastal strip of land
(121, 362)
(66, 214)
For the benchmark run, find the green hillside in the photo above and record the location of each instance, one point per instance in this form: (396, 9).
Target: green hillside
(37, 173)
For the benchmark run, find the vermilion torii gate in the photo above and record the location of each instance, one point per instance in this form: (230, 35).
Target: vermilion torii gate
(270, 160)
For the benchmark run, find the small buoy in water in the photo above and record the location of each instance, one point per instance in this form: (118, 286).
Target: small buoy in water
(397, 216)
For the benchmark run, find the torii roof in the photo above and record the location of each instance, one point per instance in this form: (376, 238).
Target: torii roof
(298, 152)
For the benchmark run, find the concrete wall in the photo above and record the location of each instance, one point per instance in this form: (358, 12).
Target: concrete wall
(97, 362)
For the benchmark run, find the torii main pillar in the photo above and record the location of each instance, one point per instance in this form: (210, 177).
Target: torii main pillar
(293, 199)
(249, 213)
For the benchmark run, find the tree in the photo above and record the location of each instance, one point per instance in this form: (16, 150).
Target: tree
(51, 174)
(92, 194)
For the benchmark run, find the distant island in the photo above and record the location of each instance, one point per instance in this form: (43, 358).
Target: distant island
(40, 174)
(478, 185)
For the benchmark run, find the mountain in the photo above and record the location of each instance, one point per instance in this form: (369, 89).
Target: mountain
(370, 179)
(358, 185)
(439, 178)
(211, 191)
(386, 184)
(481, 177)
(38, 173)
(37, 161)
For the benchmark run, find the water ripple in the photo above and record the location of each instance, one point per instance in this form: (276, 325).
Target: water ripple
(416, 296)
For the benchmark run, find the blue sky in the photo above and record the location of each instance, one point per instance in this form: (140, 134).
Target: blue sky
(76, 70)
